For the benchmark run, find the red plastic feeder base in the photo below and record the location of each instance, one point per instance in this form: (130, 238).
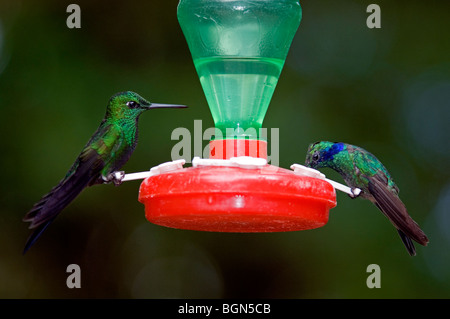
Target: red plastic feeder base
(234, 199)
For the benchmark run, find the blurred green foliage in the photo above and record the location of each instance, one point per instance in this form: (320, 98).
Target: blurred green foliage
(387, 90)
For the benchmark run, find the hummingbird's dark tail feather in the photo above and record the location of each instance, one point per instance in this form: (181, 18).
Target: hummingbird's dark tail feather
(85, 169)
(35, 235)
(36, 210)
(394, 209)
(54, 202)
(408, 243)
(46, 210)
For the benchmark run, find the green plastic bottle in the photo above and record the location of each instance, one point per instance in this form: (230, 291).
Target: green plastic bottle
(239, 48)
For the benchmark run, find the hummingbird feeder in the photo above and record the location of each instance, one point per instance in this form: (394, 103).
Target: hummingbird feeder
(239, 48)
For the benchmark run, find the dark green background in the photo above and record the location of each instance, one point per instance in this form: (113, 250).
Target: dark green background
(387, 90)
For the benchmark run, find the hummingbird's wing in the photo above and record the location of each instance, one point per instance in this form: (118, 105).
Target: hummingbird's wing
(86, 169)
(394, 209)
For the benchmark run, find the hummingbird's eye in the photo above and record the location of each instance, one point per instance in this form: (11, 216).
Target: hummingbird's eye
(132, 104)
(315, 157)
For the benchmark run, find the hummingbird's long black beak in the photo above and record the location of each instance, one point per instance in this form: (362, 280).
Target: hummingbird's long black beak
(156, 106)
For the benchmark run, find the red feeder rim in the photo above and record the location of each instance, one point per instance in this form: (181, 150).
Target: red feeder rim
(234, 199)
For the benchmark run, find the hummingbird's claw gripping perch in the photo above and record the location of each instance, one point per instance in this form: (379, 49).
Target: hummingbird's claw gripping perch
(118, 177)
(355, 192)
(114, 177)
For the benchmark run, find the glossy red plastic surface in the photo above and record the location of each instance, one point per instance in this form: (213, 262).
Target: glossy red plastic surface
(225, 149)
(232, 199)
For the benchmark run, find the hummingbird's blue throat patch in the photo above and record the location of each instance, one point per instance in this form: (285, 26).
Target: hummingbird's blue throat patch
(332, 150)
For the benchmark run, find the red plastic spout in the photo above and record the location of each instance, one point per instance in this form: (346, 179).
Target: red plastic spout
(228, 148)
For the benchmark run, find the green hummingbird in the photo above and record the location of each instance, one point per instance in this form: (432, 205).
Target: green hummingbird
(360, 169)
(105, 153)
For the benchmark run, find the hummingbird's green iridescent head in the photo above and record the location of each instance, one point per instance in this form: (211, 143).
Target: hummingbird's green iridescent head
(321, 154)
(128, 105)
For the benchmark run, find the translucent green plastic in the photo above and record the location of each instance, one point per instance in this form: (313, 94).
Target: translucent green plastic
(239, 49)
